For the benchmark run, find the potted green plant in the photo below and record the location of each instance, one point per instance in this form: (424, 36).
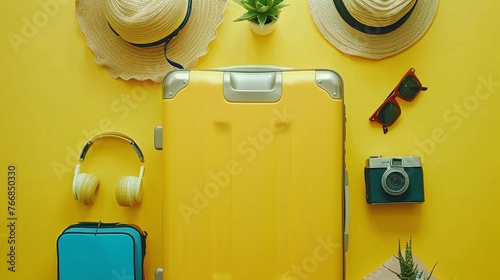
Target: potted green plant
(261, 14)
(409, 270)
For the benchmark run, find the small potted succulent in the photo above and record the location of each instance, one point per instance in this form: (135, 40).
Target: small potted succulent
(409, 270)
(402, 266)
(261, 14)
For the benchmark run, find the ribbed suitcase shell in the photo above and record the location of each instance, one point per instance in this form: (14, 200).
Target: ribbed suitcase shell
(100, 251)
(254, 175)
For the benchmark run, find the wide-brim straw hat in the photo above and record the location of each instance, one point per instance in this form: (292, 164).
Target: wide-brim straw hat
(373, 29)
(113, 26)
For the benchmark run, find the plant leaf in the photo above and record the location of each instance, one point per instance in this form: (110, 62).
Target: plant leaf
(247, 16)
(249, 8)
(430, 275)
(391, 270)
(262, 19)
(240, 2)
(247, 4)
(261, 7)
(250, 5)
(277, 2)
(274, 12)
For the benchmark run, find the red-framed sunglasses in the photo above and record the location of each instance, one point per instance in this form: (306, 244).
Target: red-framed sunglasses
(407, 89)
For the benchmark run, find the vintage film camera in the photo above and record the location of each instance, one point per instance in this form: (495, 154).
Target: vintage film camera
(394, 180)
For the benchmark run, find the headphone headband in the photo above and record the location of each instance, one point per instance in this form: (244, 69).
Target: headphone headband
(111, 134)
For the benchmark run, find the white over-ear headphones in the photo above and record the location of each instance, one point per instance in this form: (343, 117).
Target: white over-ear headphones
(128, 192)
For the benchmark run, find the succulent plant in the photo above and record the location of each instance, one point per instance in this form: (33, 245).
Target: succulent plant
(409, 270)
(260, 11)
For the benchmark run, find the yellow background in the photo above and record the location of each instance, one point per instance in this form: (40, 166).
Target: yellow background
(54, 97)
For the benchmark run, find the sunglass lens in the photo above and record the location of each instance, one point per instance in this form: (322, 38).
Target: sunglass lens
(409, 88)
(389, 113)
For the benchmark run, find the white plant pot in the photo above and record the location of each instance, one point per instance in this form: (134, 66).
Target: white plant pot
(265, 30)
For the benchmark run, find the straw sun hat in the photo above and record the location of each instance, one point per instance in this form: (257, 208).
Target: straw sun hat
(133, 39)
(372, 28)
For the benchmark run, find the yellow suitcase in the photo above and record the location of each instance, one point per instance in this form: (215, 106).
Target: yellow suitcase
(255, 184)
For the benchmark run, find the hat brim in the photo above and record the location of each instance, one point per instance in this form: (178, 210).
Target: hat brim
(351, 41)
(125, 61)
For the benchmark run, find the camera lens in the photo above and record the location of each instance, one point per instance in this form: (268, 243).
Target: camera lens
(395, 182)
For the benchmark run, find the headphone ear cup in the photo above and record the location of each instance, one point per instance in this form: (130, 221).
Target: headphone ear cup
(128, 192)
(86, 188)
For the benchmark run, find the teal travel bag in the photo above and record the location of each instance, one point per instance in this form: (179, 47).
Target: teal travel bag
(101, 251)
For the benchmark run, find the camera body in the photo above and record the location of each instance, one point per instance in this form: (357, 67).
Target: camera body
(394, 180)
